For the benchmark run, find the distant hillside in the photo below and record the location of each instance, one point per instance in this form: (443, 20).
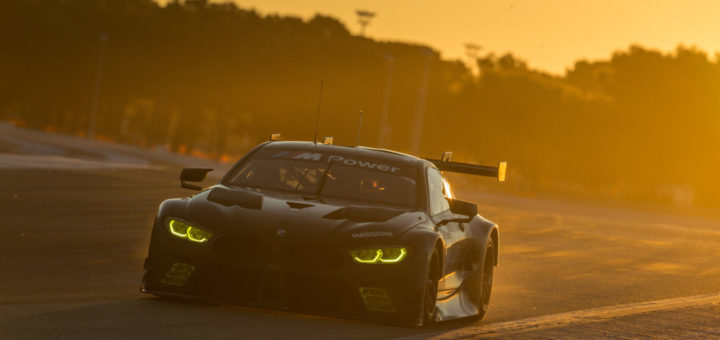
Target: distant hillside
(216, 79)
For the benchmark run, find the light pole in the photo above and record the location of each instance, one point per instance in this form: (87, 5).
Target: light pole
(385, 115)
(364, 18)
(98, 84)
(419, 121)
(472, 51)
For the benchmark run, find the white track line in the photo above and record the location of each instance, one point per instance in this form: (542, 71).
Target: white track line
(580, 316)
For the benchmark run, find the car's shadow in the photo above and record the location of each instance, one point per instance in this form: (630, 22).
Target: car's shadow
(152, 317)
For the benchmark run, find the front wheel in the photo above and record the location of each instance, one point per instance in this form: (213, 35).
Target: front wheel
(431, 289)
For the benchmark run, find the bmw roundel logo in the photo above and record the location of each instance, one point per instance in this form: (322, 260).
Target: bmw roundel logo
(280, 232)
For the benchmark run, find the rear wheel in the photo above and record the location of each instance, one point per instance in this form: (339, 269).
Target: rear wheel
(487, 276)
(431, 289)
(482, 281)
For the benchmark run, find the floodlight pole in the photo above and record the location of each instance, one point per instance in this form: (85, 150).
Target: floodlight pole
(419, 121)
(385, 115)
(364, 18)
(98, 83)
(472, 51)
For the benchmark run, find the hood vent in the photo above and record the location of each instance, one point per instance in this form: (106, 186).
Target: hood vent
(359, 213)
(299, 205)
(242, 198)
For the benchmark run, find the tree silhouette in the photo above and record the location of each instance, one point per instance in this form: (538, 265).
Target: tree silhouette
(213, 78)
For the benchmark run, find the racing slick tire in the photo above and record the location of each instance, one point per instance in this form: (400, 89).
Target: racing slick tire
(431, 289)
(482, 284)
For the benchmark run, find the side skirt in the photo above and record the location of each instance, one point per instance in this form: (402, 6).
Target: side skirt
(455, 303)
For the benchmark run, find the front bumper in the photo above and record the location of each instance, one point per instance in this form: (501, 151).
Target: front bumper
(286, 274)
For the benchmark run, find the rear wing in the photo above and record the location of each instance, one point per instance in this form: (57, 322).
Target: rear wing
(445, 164)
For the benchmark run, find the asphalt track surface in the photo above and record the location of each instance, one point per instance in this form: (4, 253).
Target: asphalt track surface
(74, 240)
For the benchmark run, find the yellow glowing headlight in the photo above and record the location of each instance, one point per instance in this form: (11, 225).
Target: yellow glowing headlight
(379, 255)
(184, 230)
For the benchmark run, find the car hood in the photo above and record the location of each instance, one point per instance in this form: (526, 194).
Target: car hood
(271, 215)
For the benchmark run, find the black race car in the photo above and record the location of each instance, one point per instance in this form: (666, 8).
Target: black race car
(350, 231)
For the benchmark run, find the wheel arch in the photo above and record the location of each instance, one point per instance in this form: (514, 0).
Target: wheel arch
(494, 234)
(482, 230)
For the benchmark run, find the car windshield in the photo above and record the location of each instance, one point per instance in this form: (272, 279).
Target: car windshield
(333, 178)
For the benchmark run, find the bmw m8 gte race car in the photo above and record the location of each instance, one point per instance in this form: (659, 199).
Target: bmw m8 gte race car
(348, 231)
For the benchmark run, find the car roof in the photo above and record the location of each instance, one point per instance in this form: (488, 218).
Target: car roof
(359, 152)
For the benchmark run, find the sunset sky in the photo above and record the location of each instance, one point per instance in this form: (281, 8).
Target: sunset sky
(549, 34)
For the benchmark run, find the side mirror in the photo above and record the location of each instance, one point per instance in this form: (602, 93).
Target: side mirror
(193, 175)
(463, 208)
